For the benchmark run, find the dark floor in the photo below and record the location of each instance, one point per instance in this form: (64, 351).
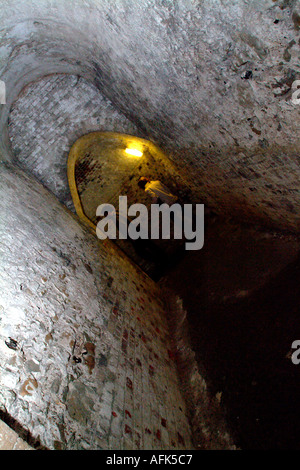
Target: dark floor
(242, 295)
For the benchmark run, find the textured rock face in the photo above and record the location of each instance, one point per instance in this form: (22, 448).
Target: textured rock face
(208, 81)
(84, 360)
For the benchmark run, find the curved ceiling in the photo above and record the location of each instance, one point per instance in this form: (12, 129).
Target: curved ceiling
(209, 82)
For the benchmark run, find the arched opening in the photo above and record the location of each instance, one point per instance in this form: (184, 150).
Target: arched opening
(102, 166)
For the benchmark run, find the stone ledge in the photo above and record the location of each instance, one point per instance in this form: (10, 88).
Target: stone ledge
(9, 439)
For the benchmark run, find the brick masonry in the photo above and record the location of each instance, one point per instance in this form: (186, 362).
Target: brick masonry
(49, 116)
(85, 355)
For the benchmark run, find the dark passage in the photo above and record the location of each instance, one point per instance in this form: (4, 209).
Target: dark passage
(242, 294)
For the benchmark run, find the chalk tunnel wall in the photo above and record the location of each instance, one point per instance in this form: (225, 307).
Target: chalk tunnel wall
(87, 353)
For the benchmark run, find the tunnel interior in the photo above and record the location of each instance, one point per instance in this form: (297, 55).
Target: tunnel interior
(100, 347)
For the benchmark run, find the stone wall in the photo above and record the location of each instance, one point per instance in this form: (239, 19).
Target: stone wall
(85, 351)
(209, 82)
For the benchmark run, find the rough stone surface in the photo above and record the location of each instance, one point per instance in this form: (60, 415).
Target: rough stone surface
(207, 417)
(85, 351)
(211, 82)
